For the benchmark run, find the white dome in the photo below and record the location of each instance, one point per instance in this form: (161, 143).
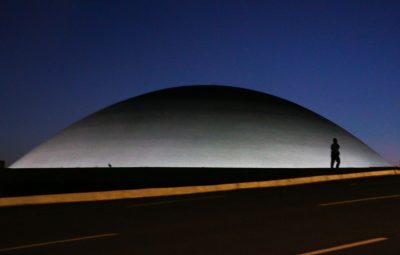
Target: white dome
(201, 126)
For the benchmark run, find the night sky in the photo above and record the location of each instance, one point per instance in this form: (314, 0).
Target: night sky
(62, 60)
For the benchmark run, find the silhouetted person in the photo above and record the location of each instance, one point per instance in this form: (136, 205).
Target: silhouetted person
(335, 153)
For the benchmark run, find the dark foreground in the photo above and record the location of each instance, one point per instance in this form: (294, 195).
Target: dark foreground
(20, 182)
(287, 220)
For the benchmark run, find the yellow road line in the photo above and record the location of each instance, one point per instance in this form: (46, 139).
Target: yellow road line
(56, 242)
(345, 246)
(359, 200)
(172, 191)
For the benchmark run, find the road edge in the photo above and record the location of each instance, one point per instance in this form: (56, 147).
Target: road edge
(186, 190)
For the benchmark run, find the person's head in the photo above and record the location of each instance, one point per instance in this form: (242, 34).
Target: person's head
(334, 140)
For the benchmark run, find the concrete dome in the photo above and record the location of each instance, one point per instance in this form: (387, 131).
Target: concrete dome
(201, 126)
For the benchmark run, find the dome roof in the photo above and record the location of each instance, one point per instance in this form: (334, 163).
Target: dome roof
(201, 126)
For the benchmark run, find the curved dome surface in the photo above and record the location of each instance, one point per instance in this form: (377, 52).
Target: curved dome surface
(201, 126)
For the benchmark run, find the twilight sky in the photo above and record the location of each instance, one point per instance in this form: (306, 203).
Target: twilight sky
(62, 60)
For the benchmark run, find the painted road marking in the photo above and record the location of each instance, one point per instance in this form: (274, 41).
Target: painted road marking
(345, 246)
(185, 190)
(56, 242)
(174, 201)
(359, 200)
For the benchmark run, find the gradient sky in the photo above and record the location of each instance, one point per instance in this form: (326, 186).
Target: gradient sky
(61, 60)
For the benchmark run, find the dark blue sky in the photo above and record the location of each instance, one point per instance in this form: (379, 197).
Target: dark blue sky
(61, 60)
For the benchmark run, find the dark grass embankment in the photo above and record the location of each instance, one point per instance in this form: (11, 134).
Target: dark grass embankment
(20, 182)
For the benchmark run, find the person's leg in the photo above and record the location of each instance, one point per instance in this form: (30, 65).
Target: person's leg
(332, 161)
(338, 162)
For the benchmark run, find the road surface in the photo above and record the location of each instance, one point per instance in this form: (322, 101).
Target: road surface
(360, 216)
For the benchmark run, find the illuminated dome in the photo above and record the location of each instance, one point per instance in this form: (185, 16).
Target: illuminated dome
(201, 126)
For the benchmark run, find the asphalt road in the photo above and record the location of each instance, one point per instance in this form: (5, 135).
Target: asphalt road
(345, 217)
